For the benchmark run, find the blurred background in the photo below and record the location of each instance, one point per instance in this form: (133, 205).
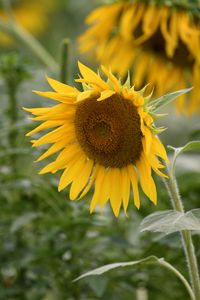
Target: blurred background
(45, 240)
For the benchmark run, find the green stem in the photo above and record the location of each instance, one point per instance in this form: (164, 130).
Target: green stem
(64, 60)
(188, 246)
(8, 9)
(20, 33)
(179, 275)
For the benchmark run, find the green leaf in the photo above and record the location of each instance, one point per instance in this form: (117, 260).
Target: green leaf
(169, 221)
(106, 268)
(156, 104)
(148, 260)
(191, 146)
(23, 220)
(98, 286)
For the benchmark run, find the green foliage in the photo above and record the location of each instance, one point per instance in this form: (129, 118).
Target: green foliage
(13, 68)
(148, 260)
(169, 221)
(156, 104)
(191, 146)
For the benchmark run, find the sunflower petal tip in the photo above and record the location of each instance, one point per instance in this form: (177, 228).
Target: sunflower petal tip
(137, 206)
(116, 213)
(35, 92)
(80, 64)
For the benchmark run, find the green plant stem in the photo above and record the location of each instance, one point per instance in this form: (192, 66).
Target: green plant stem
(168, 266)
(188, 246)
(13, 28)
(64, 60)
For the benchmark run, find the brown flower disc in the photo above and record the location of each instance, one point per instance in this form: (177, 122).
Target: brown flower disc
(108, 131)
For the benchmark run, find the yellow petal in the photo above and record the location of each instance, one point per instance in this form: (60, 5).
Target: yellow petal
(87, 94)
(156, 165)
(81, 180)
(125, 187)
(146, 180)
(91, 76)
(159, 149)
(71, 152)
(113, 79)
(90, 182)
(105, 192)
(60, 87)
(38, 111)
(45, 125)
(69, 98)
(59, 164)
(105, 95)
(73, 169)
(115, 193)
(147, 139)
(98, 187)
(53, 149)
(134, 182)
(47, 169)
(55, 135)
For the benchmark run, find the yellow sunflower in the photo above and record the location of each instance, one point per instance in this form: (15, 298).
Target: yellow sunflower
(106, 138)
(158, 43)
(32, 15)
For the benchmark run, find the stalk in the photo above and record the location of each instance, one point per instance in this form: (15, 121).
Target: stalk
(13, 28)
(173, 191)
(64, 61)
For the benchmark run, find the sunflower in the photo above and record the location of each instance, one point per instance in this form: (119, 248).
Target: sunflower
(32, 15)
(105, 137)
(158, 43)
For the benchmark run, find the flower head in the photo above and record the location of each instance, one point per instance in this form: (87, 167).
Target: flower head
(106, 138)
(32, 15)
(159, 43)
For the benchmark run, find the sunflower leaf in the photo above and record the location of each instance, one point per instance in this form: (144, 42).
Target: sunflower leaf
(169, 221)
(109, 267)
(156, 104)
(191, 146)
(23, 220)
(148, 260)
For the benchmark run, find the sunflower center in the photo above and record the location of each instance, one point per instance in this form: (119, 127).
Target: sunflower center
(181, 57)
(101, 130)
(109, 131)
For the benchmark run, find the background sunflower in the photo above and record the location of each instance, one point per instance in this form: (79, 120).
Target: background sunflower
(158, 42)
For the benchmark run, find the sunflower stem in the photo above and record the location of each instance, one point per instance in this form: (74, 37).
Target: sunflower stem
(64, 60)
(168, 266)
(15, 29)
(8, 8)
(173, 191)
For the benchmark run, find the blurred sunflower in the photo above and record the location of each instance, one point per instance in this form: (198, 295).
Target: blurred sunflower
(32, 15)
(158, 43)
(106, 137)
